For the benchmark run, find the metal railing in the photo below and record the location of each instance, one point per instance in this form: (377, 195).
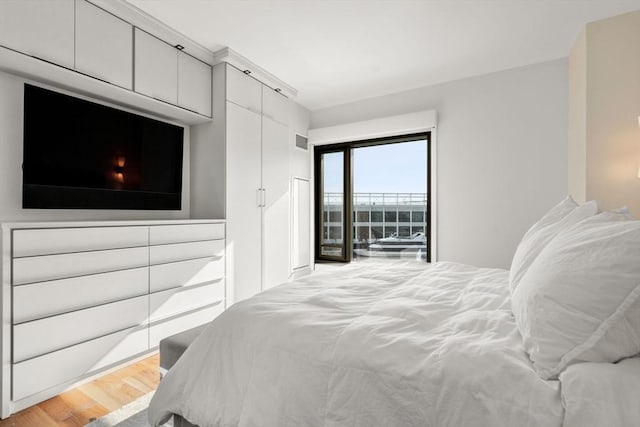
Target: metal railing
(375, 215)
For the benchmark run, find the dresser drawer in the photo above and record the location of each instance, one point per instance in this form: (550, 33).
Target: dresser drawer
(165, 328)
(73, 363)
(54, 297)
(164, 234)
(52, 267)
(175, 301)
(185, 251)
(185, 273)
(51, 241)
(38, 337)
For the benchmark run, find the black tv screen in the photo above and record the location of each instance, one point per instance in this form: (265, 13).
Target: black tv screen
(83, 155)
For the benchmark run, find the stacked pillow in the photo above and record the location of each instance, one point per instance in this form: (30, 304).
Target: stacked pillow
(575, 284)
(563, 215)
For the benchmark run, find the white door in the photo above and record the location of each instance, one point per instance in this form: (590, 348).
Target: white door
(244, 263)
(301, 224)
(244, 90)
(275, 105)
(156, 68)
(104, 45)
(276, 212)
(194, 84)
(43, 29)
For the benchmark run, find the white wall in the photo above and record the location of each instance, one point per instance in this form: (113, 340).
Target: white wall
(502, 154)
(11, 153)
(299, 124)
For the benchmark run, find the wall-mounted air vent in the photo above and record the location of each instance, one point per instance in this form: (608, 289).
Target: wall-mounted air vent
(302, 142)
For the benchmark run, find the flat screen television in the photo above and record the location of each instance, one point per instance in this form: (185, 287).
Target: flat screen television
(83, 155)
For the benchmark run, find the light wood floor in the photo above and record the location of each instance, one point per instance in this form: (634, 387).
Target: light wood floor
(78, 406)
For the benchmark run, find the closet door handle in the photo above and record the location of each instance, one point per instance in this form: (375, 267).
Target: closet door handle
(264, 197)
(259, 197)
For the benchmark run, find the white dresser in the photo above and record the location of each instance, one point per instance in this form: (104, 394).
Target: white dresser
(80, 298)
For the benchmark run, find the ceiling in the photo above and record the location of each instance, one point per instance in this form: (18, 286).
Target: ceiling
(338, 51)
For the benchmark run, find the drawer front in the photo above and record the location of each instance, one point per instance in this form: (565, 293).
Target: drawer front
(52, 267)
(244, 90)
(36, 338)
(163, 329)
(185, 251)
(51, 241)
(185, 273)
(164, 234)
(72, 363)
(175, 301)
(44, 299)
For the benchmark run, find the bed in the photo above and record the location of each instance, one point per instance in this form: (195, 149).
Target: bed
(403, 344)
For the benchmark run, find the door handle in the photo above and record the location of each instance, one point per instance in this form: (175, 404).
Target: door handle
(264, 197)
(259, 197)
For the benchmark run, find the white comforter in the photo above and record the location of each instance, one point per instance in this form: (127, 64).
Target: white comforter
(402, 345)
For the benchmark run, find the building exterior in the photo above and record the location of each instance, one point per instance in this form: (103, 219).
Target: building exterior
(375, 216)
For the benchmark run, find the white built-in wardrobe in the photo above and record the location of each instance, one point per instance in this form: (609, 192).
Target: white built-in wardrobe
(249, 141)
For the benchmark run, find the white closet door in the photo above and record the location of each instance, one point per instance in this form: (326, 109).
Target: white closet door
(156, 68)
(275, 180)
(194, 84)
(104, 45)
(301, 224)
(43, 29)
(243, 213)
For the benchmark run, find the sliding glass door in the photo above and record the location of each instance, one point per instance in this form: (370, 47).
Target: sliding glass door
(372, 199)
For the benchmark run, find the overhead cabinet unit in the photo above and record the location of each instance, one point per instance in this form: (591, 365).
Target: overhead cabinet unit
(275, 106)
(164, 72)
(156, 67)
(44, 29)
(104, 45)
(194, 84)
(80, 36)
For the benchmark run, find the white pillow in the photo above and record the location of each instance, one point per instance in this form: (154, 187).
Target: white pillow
(561, 216)
(580, 299)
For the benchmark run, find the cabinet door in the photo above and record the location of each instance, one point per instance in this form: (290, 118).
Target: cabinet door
(276, 212)
(104, 45)
(194, 84)
(156, 68)
(243, 213)
(40, 28)
(275, 105)
(244, 90)
(301, 224)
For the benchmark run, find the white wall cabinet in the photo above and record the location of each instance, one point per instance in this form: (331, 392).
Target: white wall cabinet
(82, 37)
(156, 67)
(275, 106)
(243, 90)
(194, 84)
(104, 45)
(251, 151)
(44, 29)
(89, 296)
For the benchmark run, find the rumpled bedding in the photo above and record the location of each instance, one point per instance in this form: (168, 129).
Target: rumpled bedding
(369, 345)
(602, 394)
